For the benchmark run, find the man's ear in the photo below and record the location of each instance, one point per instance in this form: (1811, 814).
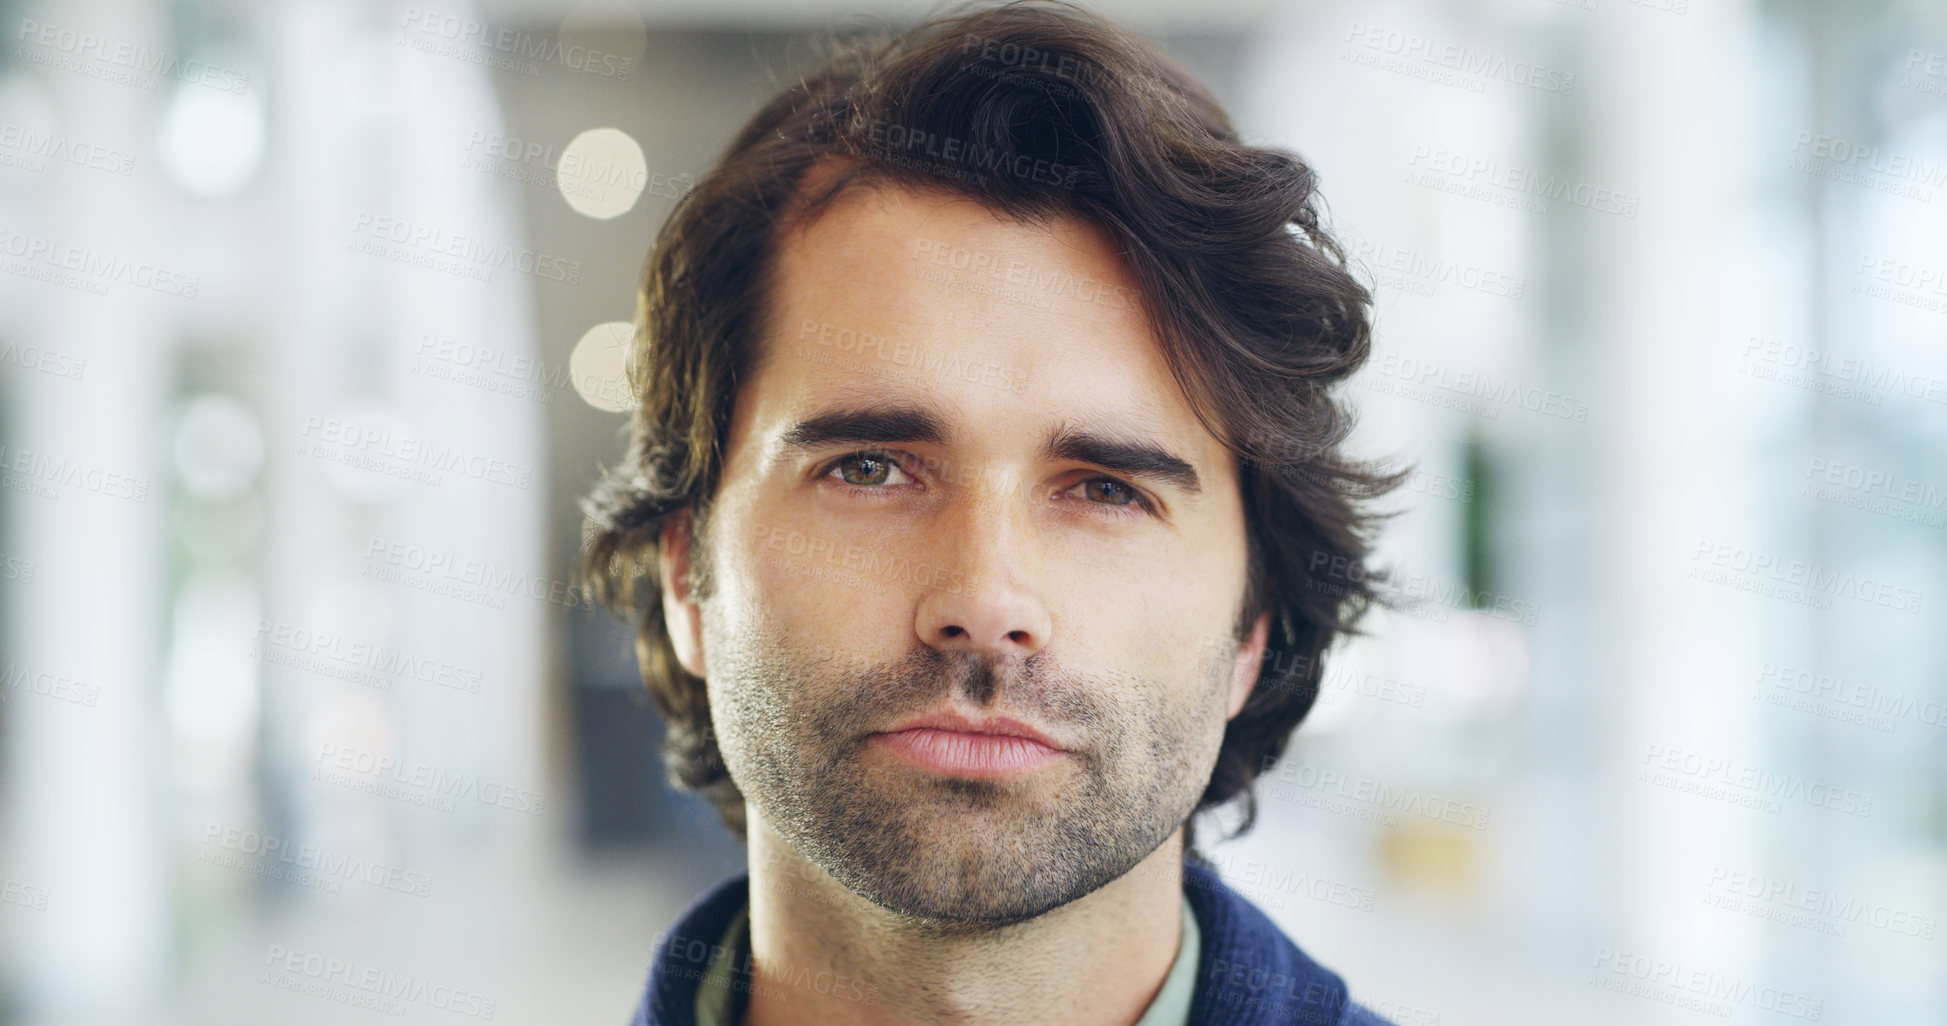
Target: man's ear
(1250, 656)
(682, 617)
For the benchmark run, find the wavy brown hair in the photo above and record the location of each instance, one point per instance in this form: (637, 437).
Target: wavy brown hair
(1036, 109)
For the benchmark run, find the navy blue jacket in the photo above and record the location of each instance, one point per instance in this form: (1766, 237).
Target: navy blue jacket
(1248, 972)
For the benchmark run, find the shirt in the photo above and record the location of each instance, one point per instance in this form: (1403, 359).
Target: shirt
(1247, 972)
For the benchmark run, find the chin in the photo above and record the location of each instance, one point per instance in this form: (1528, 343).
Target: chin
(981, 866)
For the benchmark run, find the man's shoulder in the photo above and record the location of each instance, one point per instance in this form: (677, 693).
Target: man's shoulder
(684, 951)
(1250, 973)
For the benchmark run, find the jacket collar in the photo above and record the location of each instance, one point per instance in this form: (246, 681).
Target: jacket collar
(1248, 972)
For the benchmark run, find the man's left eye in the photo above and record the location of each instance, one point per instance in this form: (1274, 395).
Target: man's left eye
(1129, 494)
(1134, 506)
(878, 467)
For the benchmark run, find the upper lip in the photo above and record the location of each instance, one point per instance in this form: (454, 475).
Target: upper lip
(1002, 726)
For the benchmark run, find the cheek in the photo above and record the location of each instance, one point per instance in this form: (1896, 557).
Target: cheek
(1198, 630)
(1185, 731)
(801, 549)
(1205, 678)
(760, 691)
(793, 609)
(1175, 628)
(771, 564)
(731, 723)
(827, 601)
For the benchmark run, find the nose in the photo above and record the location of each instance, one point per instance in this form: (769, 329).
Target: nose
(985, 597)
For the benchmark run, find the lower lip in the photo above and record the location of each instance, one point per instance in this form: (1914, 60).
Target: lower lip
(964, 754)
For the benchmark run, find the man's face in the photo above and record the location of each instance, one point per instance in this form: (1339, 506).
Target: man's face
(894, 535)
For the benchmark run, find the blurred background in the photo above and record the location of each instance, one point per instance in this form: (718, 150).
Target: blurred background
(310, 335)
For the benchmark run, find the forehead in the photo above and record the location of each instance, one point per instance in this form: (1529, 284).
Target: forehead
(896, 294)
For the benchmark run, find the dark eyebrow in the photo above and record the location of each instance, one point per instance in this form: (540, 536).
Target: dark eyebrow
(1131, 457)
(888, 423)
(868, 425)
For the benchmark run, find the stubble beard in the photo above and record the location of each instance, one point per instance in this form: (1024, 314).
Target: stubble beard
(958, 854)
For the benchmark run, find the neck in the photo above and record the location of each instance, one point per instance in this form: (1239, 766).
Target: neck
(825, 955)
